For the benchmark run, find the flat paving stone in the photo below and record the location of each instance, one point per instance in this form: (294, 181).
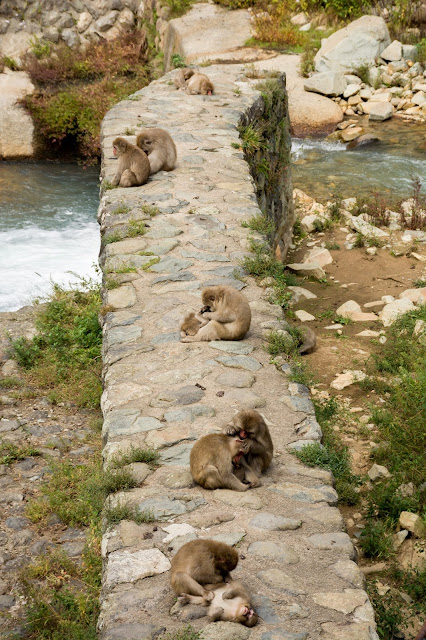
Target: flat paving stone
(240, 362)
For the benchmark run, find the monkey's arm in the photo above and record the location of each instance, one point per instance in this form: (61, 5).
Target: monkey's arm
(249, 473)
(220, 316)
(216, 614)
(116, 179)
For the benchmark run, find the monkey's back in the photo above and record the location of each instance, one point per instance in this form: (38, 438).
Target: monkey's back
(139, 163)
(197, 556)
(208, 450)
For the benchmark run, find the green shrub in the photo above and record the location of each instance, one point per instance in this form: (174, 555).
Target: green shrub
(376, 540)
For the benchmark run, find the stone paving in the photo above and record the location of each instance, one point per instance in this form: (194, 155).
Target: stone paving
(163, 394)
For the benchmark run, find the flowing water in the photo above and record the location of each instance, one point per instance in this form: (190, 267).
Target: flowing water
(47, 228)
(321, 167)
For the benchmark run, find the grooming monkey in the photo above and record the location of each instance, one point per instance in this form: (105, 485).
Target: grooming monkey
(181, 78)
(199, 83)
(159, 147)
(212, 461)
(230, 603)
(229, 316)
(249, 424)
(201, 562)
(133, 164)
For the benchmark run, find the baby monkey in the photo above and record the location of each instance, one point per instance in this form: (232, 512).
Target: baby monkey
(249, 424)
(230, 603)
(212, 461)
(192, 323)
(133, 164)
(229, 315)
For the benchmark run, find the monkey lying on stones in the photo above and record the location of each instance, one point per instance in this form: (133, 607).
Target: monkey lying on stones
(181, 78)
(212, 461)
(159, 147)
(229, 316)
(133, 165)
(199, 83)
(202, 562)
(250, 426)
(230, 603)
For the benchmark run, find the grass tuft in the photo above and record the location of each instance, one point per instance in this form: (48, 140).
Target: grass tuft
(114, 515)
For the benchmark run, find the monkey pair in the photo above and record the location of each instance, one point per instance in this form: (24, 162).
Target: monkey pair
(154, 151)
(200, 574)
(226, 315)
(193, 82)
(240, 453)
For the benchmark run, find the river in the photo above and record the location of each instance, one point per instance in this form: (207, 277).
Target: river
(47, 228)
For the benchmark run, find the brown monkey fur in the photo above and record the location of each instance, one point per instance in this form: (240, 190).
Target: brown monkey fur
(422, 633)
(133, 164)
(230, 603)
(230, 315)
(181, 77)
(191, 323)
(309, 341)
(199, 83)
(212, 461)
(201, 562)
(159, 147)
(250, 424)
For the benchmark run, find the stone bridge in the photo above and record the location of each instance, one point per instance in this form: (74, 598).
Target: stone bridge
(162, 394)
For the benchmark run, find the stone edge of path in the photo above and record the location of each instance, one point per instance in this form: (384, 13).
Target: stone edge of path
(153, 385)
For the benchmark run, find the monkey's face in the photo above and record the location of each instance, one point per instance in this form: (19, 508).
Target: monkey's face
(119, 146)
(246, 615)
(209, 299)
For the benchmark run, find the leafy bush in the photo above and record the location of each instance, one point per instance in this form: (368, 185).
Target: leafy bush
(76, 88)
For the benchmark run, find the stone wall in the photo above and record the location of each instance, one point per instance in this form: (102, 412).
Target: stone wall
(162, 394)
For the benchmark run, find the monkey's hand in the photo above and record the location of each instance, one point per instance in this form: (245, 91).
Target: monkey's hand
(116, 180)
(245, 446)
(204, 309)
(208, 596)
(216, 614)
(229, 594)
(183, 599)
(230, 430)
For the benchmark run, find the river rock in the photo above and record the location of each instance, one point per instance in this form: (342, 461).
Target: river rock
(300, 19)
(304, 316)
(360, 42)
(328, 83)
(392, 311)
(349, 134)
(379, 111)
(392, 52)
(310, 269)
(377, 471)
(346, 379)
(362, 141)
(320, 255)
(417, 296)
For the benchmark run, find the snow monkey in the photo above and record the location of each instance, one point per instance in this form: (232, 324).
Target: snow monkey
(199, 83)
(201, 562)
(212, 461)
(191, 323)
(250, 425)
(230, 603)
(159, 147)
(133, 164)
(181, 78)
(229, 316)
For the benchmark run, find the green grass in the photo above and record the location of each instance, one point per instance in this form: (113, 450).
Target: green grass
(150, 210)
(286, 342)
(151, 263)
(419, 284)
(376, 540)
(333, 455)
(114, 515)
(185, 633)
(136, 454)
(251, 139)
(136, 228)
(10, 452)
(178, 61)
(65, 354)
(122, 208)
(9, 382)
(332, 246)
(261, 224)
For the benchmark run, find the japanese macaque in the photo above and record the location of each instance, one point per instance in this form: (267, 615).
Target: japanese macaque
(422, 633)
(191, 324)
(181, 78)
(230, 603)
(309, 341)
(199, 83)
(212, 461)
(250, 425)
(229, 315)
(133, 165)
(159, 147)
(202, 562)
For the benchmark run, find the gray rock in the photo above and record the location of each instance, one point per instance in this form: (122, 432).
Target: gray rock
(165, 507)
(171, 265)
(236, 379)
(278, 551)
(165, 338)
(409, 52)
(118, 335)
(106, 22)
(177, 455)
(236, 499)
(240, 362)
(379, 111)
(178, 479)
(185, 395)
(300, 493)
(309, 429)
(350, 571)
(265, 609)
(224, 631)
(205, 257)
(228, 282)
(231, 539)
(299, 444)
(41, 547)
(273, 522)
(163, 230)
(71, 38)
(298, 404)
(328, 83)
(280, 634)
(17, 523)
(392, 52)
(183, 276)
(127, 567)
(333, 542)
(73, 549)
(280, 581)
(239, 348)
(6, 602)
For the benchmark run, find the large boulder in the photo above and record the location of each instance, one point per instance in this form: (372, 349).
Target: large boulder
(361, 42)
(328, 83)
